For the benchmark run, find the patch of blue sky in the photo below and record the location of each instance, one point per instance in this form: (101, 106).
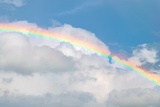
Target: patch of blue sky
(127, 23)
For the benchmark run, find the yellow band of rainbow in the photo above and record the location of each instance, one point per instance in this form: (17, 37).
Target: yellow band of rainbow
(33, 31)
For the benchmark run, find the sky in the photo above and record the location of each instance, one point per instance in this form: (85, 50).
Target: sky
(40, 72)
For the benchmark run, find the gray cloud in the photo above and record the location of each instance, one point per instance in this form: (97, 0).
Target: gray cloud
(70, 99)
(134, 98)
(18, 55)
(7, 80)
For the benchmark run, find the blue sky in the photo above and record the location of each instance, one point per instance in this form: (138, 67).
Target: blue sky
(40, 72)
(123, 24)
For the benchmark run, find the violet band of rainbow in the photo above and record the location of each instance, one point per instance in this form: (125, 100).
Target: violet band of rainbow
(33, 31)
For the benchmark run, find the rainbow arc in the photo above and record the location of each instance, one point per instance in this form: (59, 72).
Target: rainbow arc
(37, 32)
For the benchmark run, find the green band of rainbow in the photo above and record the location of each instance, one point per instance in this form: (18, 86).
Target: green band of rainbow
(33, 31)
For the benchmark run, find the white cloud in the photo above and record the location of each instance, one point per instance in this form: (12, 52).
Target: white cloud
(16, 3)
(143, 55)
(89, 85)
(18, 55)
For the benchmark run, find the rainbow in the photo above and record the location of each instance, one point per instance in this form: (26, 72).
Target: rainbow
(38, 32)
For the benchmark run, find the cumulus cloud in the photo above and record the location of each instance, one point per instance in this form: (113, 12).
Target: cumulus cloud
(144, 54)
(16, 3)
(78, 33)
(86, 79)
(18, 55)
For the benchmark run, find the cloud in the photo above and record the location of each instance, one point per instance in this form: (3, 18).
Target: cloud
(18, 55)
(78, 99)
(143, 54)
(78, 33)
(7, 80)
(36, 72)
(134, 98)
(56, 23)
(16, 3)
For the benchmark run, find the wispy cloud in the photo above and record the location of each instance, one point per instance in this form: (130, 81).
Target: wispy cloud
(87, 4)
(16, 3)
